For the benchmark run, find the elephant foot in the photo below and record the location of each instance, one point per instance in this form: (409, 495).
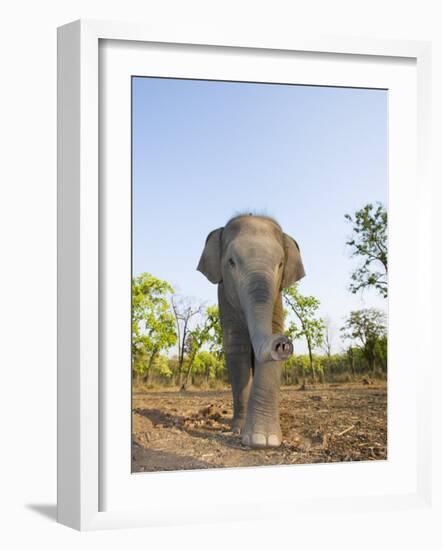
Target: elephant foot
(262, 437)
(237, 425)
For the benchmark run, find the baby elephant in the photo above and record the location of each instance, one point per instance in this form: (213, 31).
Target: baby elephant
(252, 260)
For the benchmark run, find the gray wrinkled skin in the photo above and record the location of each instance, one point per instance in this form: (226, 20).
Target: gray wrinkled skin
(252, 260)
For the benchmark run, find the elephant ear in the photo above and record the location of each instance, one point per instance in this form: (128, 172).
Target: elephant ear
(293, 270)
(210, 261)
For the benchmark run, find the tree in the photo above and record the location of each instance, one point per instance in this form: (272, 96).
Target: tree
(215, 332)
(184, 311)
(368, 328)
(196, 338)
(207, 364)
(369, 242)
(306, 323)
(208, 331)
(153, 327)
(327, 341)
(351, 360)
(381, 352)
(328, 336)
(162, 368)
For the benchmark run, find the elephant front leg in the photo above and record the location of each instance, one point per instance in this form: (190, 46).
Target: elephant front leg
(262, 427)
(239, 365)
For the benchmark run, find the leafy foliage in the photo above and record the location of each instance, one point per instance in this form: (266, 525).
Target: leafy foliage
(161, 319)
(208, 366)
(367, 328)
(305, 324)
(153, 325)
(207, 331)
(369, 242)
(215, 331)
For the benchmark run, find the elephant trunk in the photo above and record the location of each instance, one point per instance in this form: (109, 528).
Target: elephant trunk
(257, 296)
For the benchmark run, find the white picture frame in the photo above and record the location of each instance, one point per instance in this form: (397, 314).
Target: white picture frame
(81, 441)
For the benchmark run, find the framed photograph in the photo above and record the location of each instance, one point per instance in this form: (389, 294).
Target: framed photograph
(241, 229)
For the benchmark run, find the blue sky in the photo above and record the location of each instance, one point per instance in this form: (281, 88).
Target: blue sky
(306, 155)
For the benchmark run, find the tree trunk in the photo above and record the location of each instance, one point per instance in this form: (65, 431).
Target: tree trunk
(189, 371)
(310, 356)
(181, 356)
(374, 369)
(371, 361)
(149, 366)
(352, 363)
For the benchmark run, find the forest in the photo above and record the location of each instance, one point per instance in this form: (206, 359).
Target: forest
(177, 341)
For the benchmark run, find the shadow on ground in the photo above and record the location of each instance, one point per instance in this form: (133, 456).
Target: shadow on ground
(49, 511)
(167, 461)
(186, 430)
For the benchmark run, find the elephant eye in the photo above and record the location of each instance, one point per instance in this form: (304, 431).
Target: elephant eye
(280, 265)
(231, 262)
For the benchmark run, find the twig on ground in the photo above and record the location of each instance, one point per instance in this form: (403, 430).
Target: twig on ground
(345, 431)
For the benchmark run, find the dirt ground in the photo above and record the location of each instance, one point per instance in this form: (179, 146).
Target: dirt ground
(189, 430)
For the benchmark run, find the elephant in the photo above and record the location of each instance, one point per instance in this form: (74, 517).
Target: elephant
(252, 260)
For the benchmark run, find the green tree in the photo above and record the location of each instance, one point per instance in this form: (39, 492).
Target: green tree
(340, 364)
(208, 365)
(196, 338)
(207, 331)
(153, 326)
(161, 368)
(295, 368)
(381, 352)
(369, 243)
(351, 361)
(215, 334)
(366, 327)
(306, 323)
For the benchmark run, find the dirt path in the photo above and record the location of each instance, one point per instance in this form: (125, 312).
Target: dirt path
(190, 430)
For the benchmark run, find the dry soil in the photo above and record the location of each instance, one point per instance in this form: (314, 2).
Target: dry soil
(175, 430)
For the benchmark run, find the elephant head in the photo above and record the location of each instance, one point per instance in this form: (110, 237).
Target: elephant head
(254, 260)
